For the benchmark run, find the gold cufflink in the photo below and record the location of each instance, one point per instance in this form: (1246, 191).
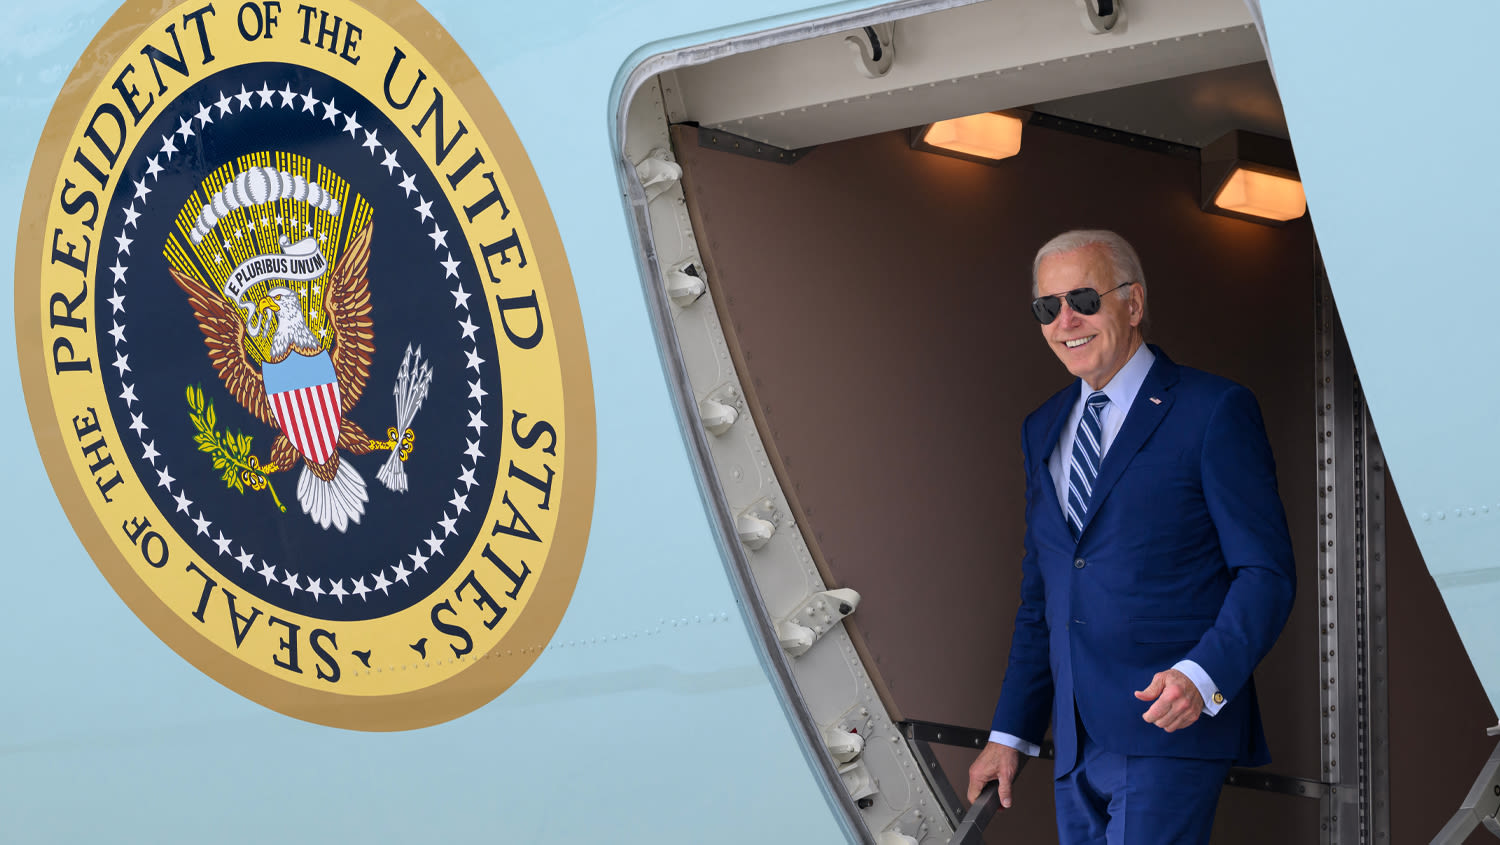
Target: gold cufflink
(1218, 698)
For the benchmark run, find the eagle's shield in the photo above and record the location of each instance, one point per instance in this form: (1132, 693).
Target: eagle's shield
(304, 394)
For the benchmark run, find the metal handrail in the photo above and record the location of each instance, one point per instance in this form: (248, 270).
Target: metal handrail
(970, 831)
(922, 734)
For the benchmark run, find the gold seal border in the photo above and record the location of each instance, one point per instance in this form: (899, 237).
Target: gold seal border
(488, 675)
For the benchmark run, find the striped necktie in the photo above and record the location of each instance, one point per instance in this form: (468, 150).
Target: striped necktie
(1083, 470)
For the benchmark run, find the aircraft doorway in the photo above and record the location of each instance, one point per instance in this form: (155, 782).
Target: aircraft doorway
(857, 323)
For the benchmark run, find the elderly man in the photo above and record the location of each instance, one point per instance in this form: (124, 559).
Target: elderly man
(1157, 570)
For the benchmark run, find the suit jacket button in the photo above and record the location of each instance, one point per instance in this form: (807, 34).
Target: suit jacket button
(1078, 563)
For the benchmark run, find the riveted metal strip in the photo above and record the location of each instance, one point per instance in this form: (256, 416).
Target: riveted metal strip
(1351, 595)
(1375, 781)
(1337, 563)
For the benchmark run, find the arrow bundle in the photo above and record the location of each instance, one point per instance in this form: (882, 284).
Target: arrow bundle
(411, 390)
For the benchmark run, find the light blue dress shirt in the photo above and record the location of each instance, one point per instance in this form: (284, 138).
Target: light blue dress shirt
(1121, 391)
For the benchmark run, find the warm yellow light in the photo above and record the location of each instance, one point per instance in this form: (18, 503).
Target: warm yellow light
(1262, 195)
(988, 135)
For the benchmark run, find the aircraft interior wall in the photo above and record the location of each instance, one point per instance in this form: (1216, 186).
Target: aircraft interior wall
(875, 299)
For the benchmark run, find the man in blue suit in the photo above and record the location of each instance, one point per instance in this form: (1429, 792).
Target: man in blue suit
(1157, 571)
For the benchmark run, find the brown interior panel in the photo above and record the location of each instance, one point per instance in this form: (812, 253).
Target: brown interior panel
(875, 299)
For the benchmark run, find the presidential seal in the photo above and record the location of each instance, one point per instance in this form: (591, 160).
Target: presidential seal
(304, 359)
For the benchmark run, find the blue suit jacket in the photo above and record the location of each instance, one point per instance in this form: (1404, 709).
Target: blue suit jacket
(1184, 554)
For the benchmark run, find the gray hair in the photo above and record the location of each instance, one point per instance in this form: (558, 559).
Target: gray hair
(1122, 257)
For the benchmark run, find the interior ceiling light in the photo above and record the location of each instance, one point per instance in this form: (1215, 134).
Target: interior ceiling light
(987, 137)
(1252, 177)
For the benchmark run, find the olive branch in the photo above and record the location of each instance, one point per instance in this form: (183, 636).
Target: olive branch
(230, 451)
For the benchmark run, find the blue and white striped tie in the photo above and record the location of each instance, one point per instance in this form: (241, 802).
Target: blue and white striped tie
(1083, 468)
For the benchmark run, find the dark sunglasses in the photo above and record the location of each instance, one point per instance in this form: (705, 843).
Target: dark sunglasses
(1083, 300)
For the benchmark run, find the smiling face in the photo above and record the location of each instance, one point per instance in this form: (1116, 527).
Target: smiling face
(1093, 347)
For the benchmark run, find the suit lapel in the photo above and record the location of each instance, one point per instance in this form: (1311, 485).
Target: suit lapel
(1152, 403)
(1064, 404)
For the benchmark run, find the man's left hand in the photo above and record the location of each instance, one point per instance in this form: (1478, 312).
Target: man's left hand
(1178, 702)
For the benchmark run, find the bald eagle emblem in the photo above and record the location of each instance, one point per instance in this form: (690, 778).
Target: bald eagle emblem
(289, 332)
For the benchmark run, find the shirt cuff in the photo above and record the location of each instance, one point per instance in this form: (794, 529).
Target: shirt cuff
(1213, 700)
(1030, 749)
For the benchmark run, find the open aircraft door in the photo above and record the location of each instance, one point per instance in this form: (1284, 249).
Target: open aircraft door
(844, 319)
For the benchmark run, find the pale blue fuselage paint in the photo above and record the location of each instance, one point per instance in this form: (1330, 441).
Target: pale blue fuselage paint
(649, 719)
(1390, 108)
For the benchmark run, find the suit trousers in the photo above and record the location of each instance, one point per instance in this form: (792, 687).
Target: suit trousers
(1115, 799)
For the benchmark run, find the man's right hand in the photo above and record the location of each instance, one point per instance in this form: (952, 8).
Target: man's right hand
(998, 763)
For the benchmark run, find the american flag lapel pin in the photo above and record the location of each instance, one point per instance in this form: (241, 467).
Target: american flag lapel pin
(1155, 401)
